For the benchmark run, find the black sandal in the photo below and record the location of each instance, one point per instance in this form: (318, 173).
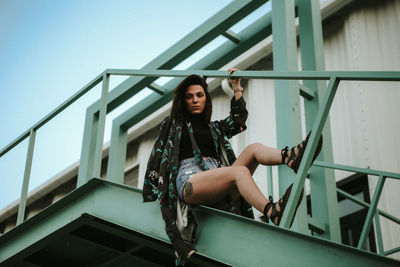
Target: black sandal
(282, 204)
(301, 148)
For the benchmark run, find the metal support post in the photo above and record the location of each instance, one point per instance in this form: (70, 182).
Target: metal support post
(102, 122)
(322, 182)
(117, 155)
(310, 149)
(269, 181)
(371, 212)
(93, 136)
(27, 174)
(287, 99)
(378, 229)
(88, 147)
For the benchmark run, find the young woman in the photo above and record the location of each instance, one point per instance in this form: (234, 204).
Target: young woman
(193, 163)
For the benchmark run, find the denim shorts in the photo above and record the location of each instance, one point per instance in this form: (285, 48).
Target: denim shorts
(189, 167)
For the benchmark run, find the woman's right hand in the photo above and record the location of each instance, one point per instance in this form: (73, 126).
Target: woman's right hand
(235, 82)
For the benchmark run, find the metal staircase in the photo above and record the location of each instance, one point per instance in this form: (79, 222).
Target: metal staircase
(94, 226)
(105, 223)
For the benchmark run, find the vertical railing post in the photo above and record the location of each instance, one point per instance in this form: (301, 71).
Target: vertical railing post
(117, 154)
(381, 250)
(287, 99)
(371, 212)
(93, 137)
(27, 174)
(88, 147)
(310, 149)
(102, 122)
(322, 182)
(269, 181)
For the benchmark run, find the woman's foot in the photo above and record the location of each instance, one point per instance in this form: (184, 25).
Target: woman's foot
(274, 211)
(293, 157)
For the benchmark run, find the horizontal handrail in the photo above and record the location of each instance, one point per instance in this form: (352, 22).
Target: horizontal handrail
(365, 204)
(372, 209)
(276, 75)
(356, 169)
(53, 113)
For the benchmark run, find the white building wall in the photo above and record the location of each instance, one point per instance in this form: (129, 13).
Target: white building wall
(262, 127)
(365, 115)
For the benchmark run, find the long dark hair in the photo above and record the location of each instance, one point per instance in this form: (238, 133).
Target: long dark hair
(178, 105)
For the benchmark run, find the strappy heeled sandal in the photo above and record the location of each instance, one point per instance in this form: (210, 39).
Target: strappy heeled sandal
(282, 204)
(296, 159)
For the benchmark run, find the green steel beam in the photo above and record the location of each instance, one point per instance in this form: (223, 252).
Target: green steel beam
(371, 212)
(250, 36)
(392, 251)
(27, 174)
(310, 149)
(86, 163)
(367, 205)
(270, 181)
(265, 244)
(157, 88)
(378, 230)
(316, 225)
(356, 169)
(306, 92)
(234, 37)
(287, 100)
(98, 153)
(158, 245)
(323, 188)
(268, 75)
(117, 153)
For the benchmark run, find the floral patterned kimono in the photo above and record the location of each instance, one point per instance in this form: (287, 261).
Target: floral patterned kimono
(162, 170)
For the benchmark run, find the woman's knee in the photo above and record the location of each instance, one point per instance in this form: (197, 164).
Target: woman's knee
(252, 148)
(240, 173)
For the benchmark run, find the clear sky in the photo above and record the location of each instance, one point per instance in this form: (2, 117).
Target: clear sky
(51, 49)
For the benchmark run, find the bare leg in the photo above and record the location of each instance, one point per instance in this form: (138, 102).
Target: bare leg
(258, 153)
(211, 186)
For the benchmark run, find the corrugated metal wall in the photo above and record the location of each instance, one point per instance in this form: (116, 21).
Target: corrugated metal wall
(365, 115)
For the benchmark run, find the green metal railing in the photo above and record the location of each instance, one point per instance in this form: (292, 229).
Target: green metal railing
(94, 126)
(31, 134)
(373, 211)
(215, 26)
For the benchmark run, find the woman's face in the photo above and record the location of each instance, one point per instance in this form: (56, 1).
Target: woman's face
(195, 99)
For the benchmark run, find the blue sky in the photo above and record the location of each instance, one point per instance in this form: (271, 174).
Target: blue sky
(51, 49)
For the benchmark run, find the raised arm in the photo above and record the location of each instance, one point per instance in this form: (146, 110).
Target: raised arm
(236, 121)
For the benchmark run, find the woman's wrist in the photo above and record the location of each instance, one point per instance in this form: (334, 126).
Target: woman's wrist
(239, 89)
